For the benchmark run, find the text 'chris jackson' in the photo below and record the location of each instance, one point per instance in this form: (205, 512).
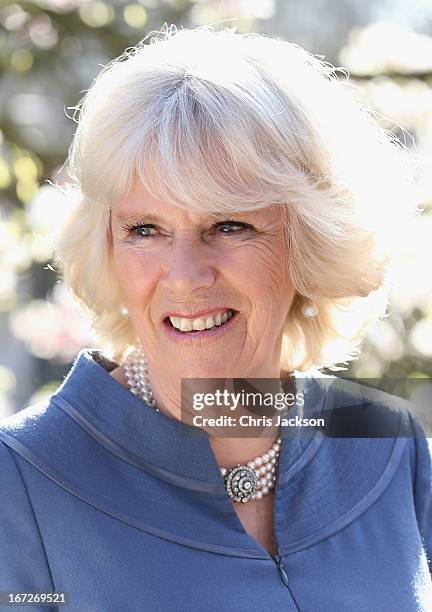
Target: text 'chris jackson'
(252, 421)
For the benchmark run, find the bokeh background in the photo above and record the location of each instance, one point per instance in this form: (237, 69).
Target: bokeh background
(50, 51)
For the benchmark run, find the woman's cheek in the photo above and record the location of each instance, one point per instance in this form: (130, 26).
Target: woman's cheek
(135, 260)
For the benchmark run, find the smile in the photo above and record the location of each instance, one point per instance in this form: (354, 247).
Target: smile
(201, 327)
(201, 323)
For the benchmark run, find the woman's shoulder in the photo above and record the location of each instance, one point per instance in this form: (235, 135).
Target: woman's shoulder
(37, 435)
(15, 502)
(23, 562)
(25, 423)
(9, 473)
(20, 436)
(11, 485)
(35, 422)
(355, 410)
(382, 432)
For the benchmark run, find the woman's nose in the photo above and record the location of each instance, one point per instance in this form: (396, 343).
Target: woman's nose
(188, 268)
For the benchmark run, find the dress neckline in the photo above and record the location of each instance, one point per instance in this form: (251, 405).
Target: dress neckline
(165, 442)
(105, 446)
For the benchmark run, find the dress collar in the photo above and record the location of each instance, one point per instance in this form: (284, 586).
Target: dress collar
(107, 409)
(323, 485)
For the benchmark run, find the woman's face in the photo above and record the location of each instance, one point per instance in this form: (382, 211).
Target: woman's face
(189, 265)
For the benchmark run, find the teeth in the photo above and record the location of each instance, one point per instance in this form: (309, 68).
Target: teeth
(199, 324)
(187, 325)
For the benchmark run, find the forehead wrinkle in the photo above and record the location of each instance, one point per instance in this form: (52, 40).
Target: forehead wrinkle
(138, 214)
(131, 215)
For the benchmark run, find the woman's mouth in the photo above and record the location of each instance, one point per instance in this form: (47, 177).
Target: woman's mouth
(209, 325)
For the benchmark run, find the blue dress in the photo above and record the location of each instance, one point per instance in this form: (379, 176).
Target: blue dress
(109, 501)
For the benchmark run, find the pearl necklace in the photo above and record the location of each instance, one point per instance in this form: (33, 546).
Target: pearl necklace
(136, 374)
(242, 482)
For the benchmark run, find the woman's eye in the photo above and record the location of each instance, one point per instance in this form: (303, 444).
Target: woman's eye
(148, 230)
(140, 231)
(226, 225)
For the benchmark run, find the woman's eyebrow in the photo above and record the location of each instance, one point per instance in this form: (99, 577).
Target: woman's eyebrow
(130, 216)
(237, 214)
(152, 218)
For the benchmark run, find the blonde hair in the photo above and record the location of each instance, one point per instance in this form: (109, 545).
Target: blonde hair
(215, 121)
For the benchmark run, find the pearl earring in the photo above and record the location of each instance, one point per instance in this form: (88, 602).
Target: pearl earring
(124, 311)
(310, 310)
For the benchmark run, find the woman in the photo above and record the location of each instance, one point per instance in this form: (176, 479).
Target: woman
(233, 199)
